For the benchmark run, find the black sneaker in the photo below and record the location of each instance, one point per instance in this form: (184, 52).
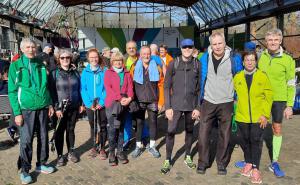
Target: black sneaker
(201, 170)
(112, 161)
(72, 157)
(222, 171)
(60, 161)
(122, 158)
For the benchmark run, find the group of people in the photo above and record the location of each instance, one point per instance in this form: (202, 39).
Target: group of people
(116, 90)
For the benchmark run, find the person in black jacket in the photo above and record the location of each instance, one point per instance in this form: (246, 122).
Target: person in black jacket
(181, 91)
(65, 93)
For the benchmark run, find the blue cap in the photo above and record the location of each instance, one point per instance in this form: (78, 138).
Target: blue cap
(187, 42)
(249, 46)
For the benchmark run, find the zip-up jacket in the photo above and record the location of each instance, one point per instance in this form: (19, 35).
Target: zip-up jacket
(281, 72)
(28, 85)
(230, 64)
(113, 89)
(254, 102)
(65, 85)
(149, 92)
(92, 86)
(181, 86)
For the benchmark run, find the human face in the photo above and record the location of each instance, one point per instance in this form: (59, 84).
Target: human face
(273, 43)
(249, 62)
(131, 49)
(117, 64)
(187, 51)
(106, 53)
(93, 58)
(145, 55)
(29, 50)
(162, 52)
(65, 60)
(218, 45)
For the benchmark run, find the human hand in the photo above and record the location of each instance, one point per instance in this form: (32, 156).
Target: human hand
(288, 112)
(50, 111)
(195, 114)
(19, 120)
(59, 114)
(169, 114)
(263, 122)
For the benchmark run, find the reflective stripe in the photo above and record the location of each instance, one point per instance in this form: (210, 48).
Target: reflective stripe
(291, 82)
(19, 95)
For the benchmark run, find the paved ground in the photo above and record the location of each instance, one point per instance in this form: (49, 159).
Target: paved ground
(145, 169)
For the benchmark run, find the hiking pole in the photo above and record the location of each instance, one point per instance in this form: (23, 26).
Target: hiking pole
(63, 106)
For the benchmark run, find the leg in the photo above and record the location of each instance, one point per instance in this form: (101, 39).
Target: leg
(172, 126)
(111, 131)
(70, 133)
(268, 138)
(256, 142)
(208, 111)
(59, 134)
(90, 114)
(26, 138)
(152, 116)
(42, 137)
(189, 126)
(224, 113)
(140, 119)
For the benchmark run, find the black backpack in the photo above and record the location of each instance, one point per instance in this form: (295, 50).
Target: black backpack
(196, 65)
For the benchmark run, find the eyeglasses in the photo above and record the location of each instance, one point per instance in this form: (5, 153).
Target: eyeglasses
(185, 47)
(62, 58)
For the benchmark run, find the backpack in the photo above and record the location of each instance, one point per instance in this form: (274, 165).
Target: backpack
(196, 67)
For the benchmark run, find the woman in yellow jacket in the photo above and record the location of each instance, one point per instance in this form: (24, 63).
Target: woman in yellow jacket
(254, 104)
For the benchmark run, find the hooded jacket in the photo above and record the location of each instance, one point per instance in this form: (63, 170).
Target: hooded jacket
(92, 86)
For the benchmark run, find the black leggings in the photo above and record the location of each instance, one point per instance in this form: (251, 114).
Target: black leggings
(251, 142)
(101, 125)
(140, 121)
(172, 126)
(67, 124)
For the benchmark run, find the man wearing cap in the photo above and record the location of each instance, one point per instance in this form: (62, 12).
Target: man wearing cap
(47, 56)
(218, 66)
(181, 91)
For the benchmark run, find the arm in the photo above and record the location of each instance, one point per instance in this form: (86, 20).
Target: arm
(267, 106)
(168, 86)
(84, 94)
(53, 92)
(291, 83)
(13, 90)
(161, 88)
(130, 92)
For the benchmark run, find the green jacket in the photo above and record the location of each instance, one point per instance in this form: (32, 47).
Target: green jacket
(281, 73)
(27, 85)
(256, 102)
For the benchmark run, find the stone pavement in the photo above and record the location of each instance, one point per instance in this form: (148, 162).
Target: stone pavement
(145, 169)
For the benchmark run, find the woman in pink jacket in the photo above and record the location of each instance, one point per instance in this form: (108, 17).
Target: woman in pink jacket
(119, 89)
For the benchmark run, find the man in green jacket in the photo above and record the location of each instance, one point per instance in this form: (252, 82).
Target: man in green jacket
(280, 69)
(31, 103)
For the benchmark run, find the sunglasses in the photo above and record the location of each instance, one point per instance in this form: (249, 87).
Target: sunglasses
(62, 58)
(190, 47)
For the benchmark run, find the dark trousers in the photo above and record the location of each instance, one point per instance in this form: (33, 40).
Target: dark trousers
(172, 126)
(252, 140)
(101, 124)
(236, 138)
(209, 113)
(67, 124)
(140, 120)
(34, 121)
(115, 135)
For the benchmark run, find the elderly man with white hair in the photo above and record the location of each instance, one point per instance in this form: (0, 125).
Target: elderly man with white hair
(31, 103)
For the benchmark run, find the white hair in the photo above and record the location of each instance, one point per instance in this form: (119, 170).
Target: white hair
(213, 35)
(26, 40)
(274, 31)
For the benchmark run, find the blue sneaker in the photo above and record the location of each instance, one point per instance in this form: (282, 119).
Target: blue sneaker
(275, 168)
(44, 169)
(240, 164)
(25, 178)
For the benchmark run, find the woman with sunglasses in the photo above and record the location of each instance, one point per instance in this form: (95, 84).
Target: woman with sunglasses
(65, 93)
(254, 102)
